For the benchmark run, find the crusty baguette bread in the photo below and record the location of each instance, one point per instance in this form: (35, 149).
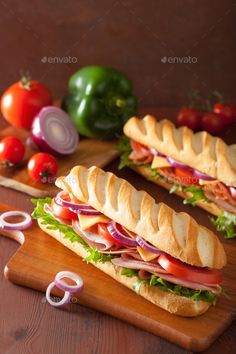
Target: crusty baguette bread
(202, 151)
(175, 233)
(144, 171)
(175, 304)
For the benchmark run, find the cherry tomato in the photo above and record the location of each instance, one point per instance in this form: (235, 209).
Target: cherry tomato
(42, 167)
(186, 176)
(190, 118)
(63, 212)
(188, 272)
(23, 100)
(12, 150)
(228, 112)
(212, 122)
(103, 232)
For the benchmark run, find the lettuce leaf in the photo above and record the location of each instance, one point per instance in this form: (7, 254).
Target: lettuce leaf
(129, 272)
(124, 147)
(195, 295)
(93, 254)
(225, 222)
(197, 194)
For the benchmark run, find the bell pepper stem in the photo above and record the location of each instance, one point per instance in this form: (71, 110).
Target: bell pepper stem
(120, 103)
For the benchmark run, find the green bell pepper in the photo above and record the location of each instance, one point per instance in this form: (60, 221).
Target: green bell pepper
(100, 101)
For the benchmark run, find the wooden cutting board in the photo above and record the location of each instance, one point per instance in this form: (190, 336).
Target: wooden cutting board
(40, 257)
(89, 152)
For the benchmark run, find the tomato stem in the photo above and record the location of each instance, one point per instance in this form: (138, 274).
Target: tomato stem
(25, 80)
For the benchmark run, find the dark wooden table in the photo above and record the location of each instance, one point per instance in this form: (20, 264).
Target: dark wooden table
(29, 325)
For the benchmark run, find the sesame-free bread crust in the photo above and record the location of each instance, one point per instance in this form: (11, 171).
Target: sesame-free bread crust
(178, 234)
(202, 151)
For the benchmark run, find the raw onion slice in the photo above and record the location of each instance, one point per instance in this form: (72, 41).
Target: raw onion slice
(177, 164)
(156, 153)
(82, 209)
(52, 131)
(119, 236)
(233, 192)
(65, 300)
(201, 175)
(148, 247)
(22, 225)
(63, 285)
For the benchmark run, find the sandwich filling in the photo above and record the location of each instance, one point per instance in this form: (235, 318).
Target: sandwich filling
(185, 179)
(106, 241)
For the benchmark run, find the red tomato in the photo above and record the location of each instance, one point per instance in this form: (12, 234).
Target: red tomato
(22, 101)
(63, 212)
(140, 148)
(102, 231)
(12, 150)
(212, 122)
(190, 118)
(191, 273)
(42, 167)
(228, 112)
(186, 176)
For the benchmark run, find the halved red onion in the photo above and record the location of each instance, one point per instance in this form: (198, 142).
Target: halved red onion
(82, 209)
(63, 285)
(177, 164)
(156, 153)
(53, 131)
(22, 225)
(66, 298)
(201, 175)
(141, 242)
(119, 236)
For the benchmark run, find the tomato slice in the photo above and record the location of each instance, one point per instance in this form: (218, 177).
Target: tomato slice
(102, 231)
(63, 212)
(188, 272)
(186, 176)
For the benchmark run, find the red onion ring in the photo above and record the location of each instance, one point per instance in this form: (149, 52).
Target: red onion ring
(177, 164)
(63, 285)
(66, 298)
(148, 247)
(156, 153)
(83, 209)
(201, 175)
(22, 225)
(119, 236)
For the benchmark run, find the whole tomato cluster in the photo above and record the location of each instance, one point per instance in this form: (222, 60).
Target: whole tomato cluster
(214, 122)
(19, 105)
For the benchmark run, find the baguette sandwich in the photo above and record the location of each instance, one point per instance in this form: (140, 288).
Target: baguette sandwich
(196, 166)
(164, 256)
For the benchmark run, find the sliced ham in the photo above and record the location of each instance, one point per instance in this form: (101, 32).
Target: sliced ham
(47, 208)
(157, 270)
(221, 196)
(139, 159)
(133, 264)
(220, 202)
(141, 155)
(93, 240)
